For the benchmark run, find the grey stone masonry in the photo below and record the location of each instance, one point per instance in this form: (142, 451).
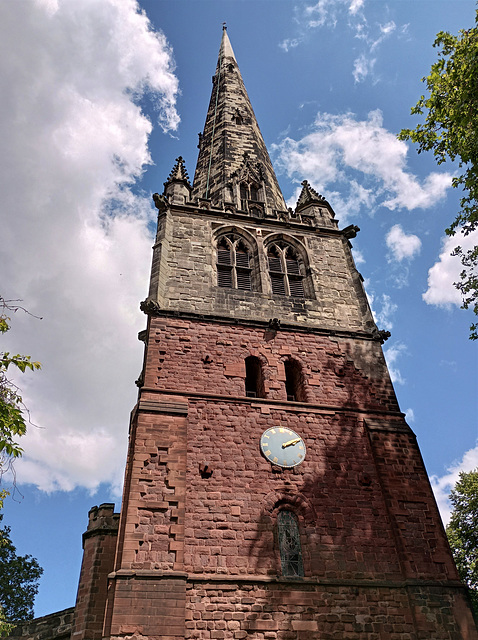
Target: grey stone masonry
(229, 247)
(184, 273)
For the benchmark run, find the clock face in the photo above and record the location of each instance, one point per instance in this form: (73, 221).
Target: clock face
(282, 446)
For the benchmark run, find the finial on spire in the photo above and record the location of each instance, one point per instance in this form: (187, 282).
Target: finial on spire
(178, 172)
(308, 194)
(224, 26)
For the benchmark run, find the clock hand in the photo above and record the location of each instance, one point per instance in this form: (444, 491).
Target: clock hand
(290, 442)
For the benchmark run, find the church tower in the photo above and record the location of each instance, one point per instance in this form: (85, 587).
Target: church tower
(273, 489)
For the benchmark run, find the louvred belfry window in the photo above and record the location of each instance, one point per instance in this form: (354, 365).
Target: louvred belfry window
(233, 263)
(296, 287)
(285, 271)
(224, 264)
(276, 272)
(289, 544)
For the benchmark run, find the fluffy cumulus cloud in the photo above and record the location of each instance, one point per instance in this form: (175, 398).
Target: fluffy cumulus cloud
(446, 271)
(402, 246)
(75, 244)
(361, 158)
(442, 485)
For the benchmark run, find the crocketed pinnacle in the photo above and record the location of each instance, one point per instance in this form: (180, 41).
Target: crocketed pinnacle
(178, 173)
(230, 132)
(308, 195)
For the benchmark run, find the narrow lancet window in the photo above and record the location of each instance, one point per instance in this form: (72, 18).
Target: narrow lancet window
(289, 545)
(294, 384)
(254, 379)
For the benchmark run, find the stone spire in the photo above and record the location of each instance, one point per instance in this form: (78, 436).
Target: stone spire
(233, 166)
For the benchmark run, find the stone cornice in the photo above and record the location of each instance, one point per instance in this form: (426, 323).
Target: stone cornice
(227, 217)
(308, 407)
(152, 308)
(296, 583)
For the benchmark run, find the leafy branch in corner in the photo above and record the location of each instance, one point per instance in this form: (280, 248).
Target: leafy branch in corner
(19, 575)
(462, 532)
(12, 419)
(450, 130)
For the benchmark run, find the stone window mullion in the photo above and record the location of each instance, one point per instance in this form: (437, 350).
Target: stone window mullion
(284, 270)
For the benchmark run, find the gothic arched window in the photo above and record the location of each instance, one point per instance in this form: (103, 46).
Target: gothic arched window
(294, 381)
(250, 193)
(233, 263)
(289, 544)
(254, 382)
(285, 271)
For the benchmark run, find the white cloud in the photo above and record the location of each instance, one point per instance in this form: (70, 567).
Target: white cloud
(75, 240)
(289, 43)
(446, 271)
(363, 159)
(351, 16)
(383, 316)
(410, 415)
(442, 485)
(355, 5)
(358, 256)
(327, 12)
(392, 354)
(402, 245)
(323, 12)
(363, 66)
(388, 28)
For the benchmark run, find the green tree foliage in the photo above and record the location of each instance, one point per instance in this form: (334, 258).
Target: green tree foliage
(462, 531)
(12, 420)
(19, 577)
(5, 627)
(450, 130)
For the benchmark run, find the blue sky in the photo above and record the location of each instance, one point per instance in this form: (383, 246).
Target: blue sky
(98, 103)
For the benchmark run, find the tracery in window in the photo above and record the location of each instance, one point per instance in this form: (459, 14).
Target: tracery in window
(294, 383)
(289, 544)
(233, 263)
(285, 271)
(254, 382)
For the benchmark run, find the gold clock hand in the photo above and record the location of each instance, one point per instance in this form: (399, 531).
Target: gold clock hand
(290, 442)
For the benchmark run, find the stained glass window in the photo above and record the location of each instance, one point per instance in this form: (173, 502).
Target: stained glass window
(289, 544)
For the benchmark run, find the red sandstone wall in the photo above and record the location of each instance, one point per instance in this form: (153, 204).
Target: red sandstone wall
(99, 548)
(200, 558)
(336, 371)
